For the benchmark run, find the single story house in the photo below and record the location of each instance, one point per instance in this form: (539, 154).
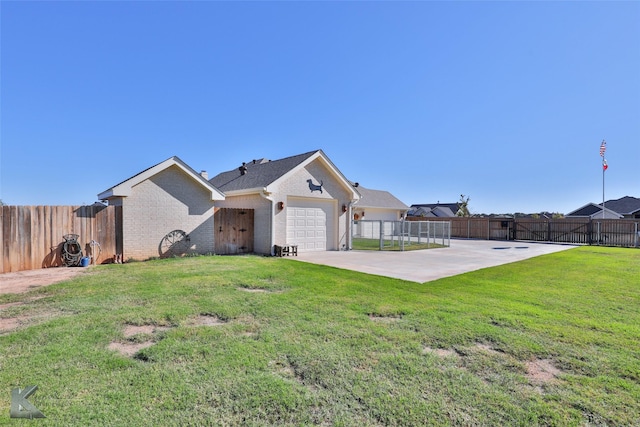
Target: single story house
(624, 207)
(304, 200)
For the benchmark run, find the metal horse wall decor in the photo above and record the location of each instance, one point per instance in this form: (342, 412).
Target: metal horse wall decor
(315, 187)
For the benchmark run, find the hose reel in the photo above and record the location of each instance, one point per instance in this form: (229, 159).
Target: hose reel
(71, 250)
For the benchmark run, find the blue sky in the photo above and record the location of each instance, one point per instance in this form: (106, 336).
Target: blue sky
(506, 102)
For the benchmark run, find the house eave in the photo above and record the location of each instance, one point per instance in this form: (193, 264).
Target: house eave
(248, 191)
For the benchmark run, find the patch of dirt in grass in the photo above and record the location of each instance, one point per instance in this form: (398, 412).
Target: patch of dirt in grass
(487, 348)
(283, 368)
(17, 303)
(129, 348)
(9, 324)
(541, 372)
(253, 290)
(131, 330)
(207, 320)
(440, 352)
(385, 318)
(22, 281)
(10, 304)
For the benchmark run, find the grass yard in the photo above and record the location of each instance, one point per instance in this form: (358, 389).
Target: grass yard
(552, 340)
(363, 244)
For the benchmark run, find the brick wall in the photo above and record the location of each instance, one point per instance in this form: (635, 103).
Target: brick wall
(166, 202)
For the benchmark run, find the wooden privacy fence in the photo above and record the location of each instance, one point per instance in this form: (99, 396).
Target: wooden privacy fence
(32, 236)
(605, 232)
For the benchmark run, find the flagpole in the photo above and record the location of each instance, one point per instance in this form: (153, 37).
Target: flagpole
(603, 149)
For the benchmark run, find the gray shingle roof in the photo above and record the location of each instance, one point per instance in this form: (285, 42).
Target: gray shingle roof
(259, 173)
(624, 206)
(379, 199)
(438, 209)
(587, 210)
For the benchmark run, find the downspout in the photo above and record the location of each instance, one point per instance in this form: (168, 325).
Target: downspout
(350, 225)
(267, 195)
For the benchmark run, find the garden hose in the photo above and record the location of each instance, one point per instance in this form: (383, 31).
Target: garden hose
(71, 250)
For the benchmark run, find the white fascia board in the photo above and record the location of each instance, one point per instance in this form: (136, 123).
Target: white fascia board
(106, 195)
(247, 191)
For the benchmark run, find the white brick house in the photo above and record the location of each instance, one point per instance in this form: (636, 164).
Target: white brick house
(301, 200)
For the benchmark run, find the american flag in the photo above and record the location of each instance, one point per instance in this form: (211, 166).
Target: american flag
(603, 148)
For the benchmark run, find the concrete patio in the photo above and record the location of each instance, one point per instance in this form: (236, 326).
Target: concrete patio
(430, 264)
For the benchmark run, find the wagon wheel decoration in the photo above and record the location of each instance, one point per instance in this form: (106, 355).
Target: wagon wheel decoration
(175, 243)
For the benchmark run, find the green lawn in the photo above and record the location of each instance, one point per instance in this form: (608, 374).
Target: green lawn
(553, 340)
(363, 244)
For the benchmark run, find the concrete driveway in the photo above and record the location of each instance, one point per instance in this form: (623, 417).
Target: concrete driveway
(426, 265)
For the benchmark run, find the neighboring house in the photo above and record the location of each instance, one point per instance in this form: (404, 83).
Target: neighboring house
(167, 209)
(378, 205)
(434, 210)
(301, 200)
(625, 207)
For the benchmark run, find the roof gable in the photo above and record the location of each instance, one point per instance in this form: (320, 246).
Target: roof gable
(123, 189)
(592, 210)
(264, 175)
(586, 210)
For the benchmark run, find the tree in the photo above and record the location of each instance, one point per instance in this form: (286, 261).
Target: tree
(463, 206)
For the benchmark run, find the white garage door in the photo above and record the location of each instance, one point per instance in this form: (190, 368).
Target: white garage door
(310, 224)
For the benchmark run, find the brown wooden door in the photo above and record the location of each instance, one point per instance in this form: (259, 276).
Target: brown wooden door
(233, 231)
